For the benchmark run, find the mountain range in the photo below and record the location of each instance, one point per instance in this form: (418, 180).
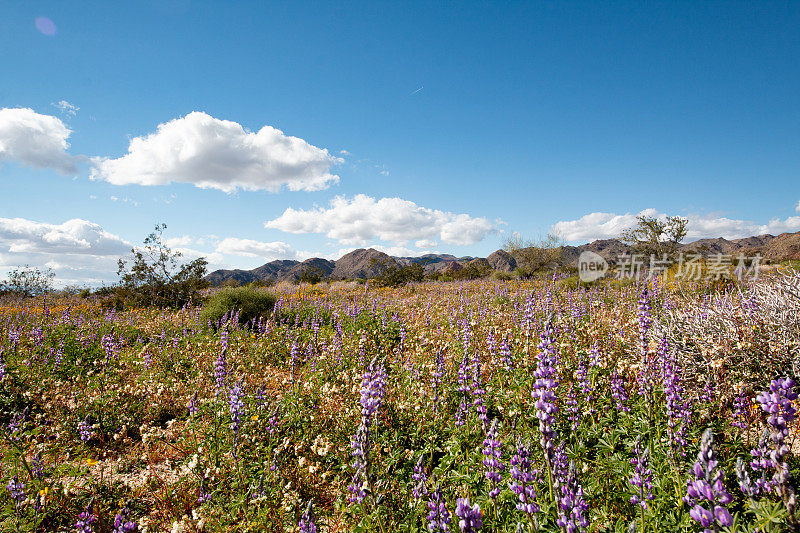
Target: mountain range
(364, 263)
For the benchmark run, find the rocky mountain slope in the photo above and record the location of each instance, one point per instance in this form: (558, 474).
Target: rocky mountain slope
(365, 263)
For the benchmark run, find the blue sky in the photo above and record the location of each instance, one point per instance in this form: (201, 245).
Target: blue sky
(435, 126)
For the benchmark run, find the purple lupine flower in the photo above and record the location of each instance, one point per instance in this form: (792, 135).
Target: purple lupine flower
(85, 429)
(741, 411)
(746, 485)
(594, 356)
(13, 337)
(778, 405)
(261, 396)
(221, 367)
(236, 406)
(464, 387)
(85, 520)
(478, 392)
(571, 505)
(223, 337)
(545, 388)
(362, 349)
(2, 365)
(762, 462)
(642, 479)
(436, 377)
(677, 406)
(618, 392)
(438, 515)
(59, 356)
(360, 445)
(707, 487)
(492, 450)
(471, 518)
(307, 522)
(523, 479)
(530, 307)
(506, 354)
(193, 408)
(17, 422)
(110, 347)
(646, 376)
(420, 478)
(204, 496)
(491, 345)
(37, 465)
(272, 422)
(584, 380)
(122, 522)
(17, 490)
(707, 396)
(273, 466)
(373, 388)
(572, 407)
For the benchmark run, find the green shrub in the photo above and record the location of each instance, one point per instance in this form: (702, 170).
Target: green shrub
(251, 303)
(500, 275)
(574, 282)
(394, 275)
(311, 275)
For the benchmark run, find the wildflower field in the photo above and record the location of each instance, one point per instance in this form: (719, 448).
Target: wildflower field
(484, 405)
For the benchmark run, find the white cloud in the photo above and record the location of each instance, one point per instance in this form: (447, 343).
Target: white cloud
(610, 226)
(74, 236)
(362, 218)
(425, 243)
(66, 108)
(183, 241)
(797, 207)
(219, 154)
(250, 248)
(35, 140)
(77, 250)
(400, 251)
(80, 252)
(124, 200)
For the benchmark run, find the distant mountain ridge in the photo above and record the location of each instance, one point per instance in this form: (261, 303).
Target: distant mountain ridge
(364, 263)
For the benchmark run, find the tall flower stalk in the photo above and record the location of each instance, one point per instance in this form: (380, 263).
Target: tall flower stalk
(778, 404)
(493, 466)
(544, 393)
(705, 492)
(523, 479)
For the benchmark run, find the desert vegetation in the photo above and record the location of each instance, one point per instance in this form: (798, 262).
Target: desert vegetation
(491, 404)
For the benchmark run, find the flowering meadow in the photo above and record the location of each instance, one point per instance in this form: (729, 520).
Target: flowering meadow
(463, 406)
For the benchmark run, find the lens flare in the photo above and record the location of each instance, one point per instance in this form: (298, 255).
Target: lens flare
(45, 25)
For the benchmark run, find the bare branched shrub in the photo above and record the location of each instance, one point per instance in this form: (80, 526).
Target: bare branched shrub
(747, 336)
(534, 255)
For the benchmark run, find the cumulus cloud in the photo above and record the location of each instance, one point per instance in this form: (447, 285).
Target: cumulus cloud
(182, 241)
(77, 250)
(361, 219)
(219, 154)
(74, 236)
(425, 243)
(797, 207)
(609, 226)
(251, 248)
(35, 140)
